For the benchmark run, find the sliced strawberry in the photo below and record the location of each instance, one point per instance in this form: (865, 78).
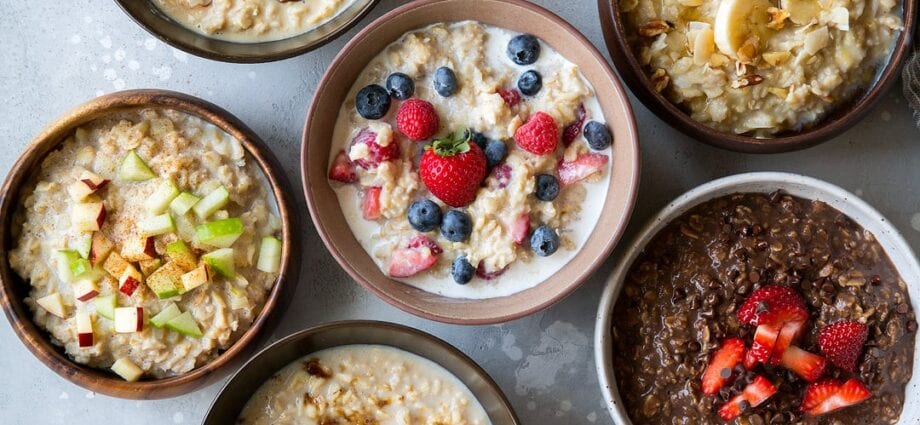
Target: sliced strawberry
(370, 205)
(753, 395)
(511, 97)
(842, 342)
(807, 365)
(571, 131)
(764, 342)
(520, 228)
(417, 257)
(502, 175)
(719, 371)
(817, 392)
(484, 274)
(422, 240)
(787, 335)
(773, 304)
(582, 167)
(343, 170)
(850, 393)
(750, 362)
(376, 153)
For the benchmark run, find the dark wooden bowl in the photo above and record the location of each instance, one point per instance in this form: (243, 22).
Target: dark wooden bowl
(13, 288)
(515, 15)
(148, 16)
(839, 120)
(233, 397)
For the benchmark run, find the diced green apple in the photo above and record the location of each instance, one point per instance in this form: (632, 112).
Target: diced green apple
(182, 203)
(134, 169)
(269, 255)
(166, 281)
(105, 306)
(157, 225)
(64, 258)
(168, 313)
(88, 217)
(195, 278)
(221, 261)
(85, 290)
(220, 233)
(84, 245)
(238, 298)
(126, 369)
(185, 324)
(149, 266)
(129, 319)
(160, 199)
(212, 202)
(53, 303)
(179, 253)
(115, 265)
(84, 325)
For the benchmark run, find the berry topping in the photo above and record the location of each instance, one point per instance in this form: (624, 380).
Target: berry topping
(539, 135)
(462, 271)
(445, 81)
(424, 215)
(520, 228)
(417, 119)
(817, 392)
(762, 349)
(408, 261)
(421, 240)
(375, 153)
(495, 152)
(581, 168)
(524, 49)
(598, 135)
(400, 86)
(546, 187)
(530, 83)
(343, 170)
(452, 169)
(511, 97)
(773, 305)
(787, 335)
(757, 392)
(502, 175)
(544, 241)
(484, 274)
(480, 139)
(719, 371)
(842, 342)
(807, 365)
(456, 226)
(370, 205)
(850, 393)
(571, 131)
(372, 102)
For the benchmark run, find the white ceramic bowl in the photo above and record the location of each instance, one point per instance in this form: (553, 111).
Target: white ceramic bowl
(897, 249)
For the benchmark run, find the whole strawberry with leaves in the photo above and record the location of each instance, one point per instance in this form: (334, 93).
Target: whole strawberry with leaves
(452, 168)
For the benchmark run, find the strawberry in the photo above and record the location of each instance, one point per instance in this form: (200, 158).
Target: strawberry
(764, 341)
(773, 305)
(452, 169)
(789, 333)
(719, 371)
(817, 392)
(807, 365)
(375, 152)
(370, 205)
(571, 131)
(540, 135)
(750, 361)
(418, 256)
(502, 175)
(484, 274)
(753, 395)
(842, 342)
(417, 119)
(520, 228)
(582, 167)
(511, 97)
(343, 170)
(851, 392)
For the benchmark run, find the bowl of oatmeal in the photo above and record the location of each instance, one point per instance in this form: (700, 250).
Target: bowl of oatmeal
(462, 168)
(763, 76)
(762, 298)
(147, 241)
(247, 31)
(361, 372)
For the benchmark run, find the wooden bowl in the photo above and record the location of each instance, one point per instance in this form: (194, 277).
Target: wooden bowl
(161, 26)
(13, 288)
(233, 397)
(839, 120)
(515, 15)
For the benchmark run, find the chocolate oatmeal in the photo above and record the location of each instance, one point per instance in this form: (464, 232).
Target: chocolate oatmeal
(684, 301)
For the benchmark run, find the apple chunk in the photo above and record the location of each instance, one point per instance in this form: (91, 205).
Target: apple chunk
(179, 253)
(269, 255)
(221, 261)
(100, 247)
(115, 265)
(139, 249)
(159, 200)
(53, 303)
(157, 225)
(87, 184)
(195, 278)
(130, 280)
(83, 245)
(166, 314)
(84, 324)
(129, 319)
(105, 306)
(88, 217)
(134, 169)
(182, 203)
(212, 202)
(149, 266)
(166, 281)
(126, 369)
(185, 324)
(220, 233)
(85, 290)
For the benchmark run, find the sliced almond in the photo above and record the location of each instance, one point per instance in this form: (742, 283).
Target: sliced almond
(747, 81)
(654, 28)
(776, 58)
(777, 18)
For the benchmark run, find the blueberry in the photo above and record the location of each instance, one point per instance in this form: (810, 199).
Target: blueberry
(462, 271)
(495, 152)
(524, 49)
(400, 86)
(530, 83)
(480, 139)
(424, 215)
(445, 82)
(547, 187)
(598, 135)
(544, 241)
(372, 102)
(456, 226)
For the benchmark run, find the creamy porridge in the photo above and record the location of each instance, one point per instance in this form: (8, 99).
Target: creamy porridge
(252, 21)
(148, 239)
(364, 384)
(761, 67)
(492, 155)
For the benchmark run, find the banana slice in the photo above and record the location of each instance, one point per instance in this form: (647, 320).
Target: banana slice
(737, 20)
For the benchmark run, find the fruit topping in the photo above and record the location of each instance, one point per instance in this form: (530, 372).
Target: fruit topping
(524, 49)
(370, 203)
(424, 215)
(400, 86)
(168, 313)
(719, 371)
(185, 324)
(183, 203)
(520, 228)
(485, 274)
(539, 136)
(372, 102)
(129, 319)
(546, 187)
(530, 83)
(178, 252)
(417, 119)
(269, 255)
(105, 305)
(137, 249)
(343, 170)
(369, 148)
(129, 280)
(195, 278)
(462, 271)
(100, 248)
(581, 168)
(851, 392)
(502, 176)
(842, 342)
(456, 226)
(757, 392)
(544, 241)
(817, 392)
(84, 325)
(166, 281)
(413, 259)
(773, 305)
(511, 97)
(452, 169)
(160, 199)
(445, 81)
(807, 365)
(787, 335)
(157, 225)
(53, 303)
(598, 135)
(88, 217)
(134, 169)
(571, 131)
(221, 261)
(213, 201)
(126, 369)
(495, 151)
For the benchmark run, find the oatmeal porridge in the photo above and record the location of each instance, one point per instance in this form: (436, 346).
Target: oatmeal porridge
(149, 241)
(493, 156)
(252, 21)
(761, 67)
(364, 384)
(763, 309)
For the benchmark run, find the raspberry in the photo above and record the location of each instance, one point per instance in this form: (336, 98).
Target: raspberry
(539, 135)
(417, 119)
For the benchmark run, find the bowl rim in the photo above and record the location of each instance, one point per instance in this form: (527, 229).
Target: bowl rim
(130, 8)
(38, 342)
(327, 236)
(853, 111)
(696, 196)
(423, 337)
